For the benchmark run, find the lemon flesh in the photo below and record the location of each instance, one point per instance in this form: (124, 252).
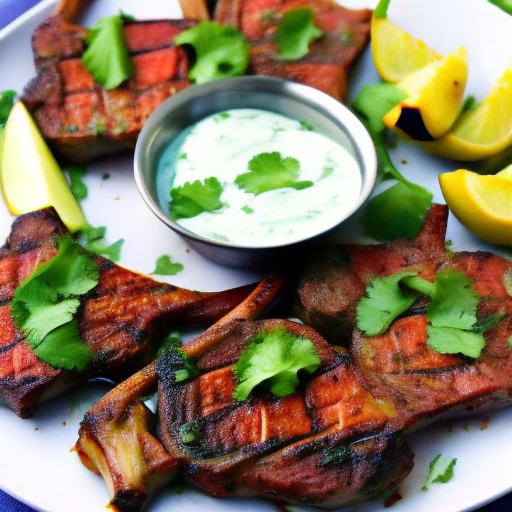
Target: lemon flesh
(395, 52)
(482, 203)
(435, 93)
(483, 132)
(30, 177)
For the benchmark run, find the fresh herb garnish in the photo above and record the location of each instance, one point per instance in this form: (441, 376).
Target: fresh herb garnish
(296, 31)
(107, 57)
(93, 239)
(504, 5)
(271, 171)
(400, 210)
(76, 174)
(453, 326)
(172, 341)
(273, 359)
(193, 198)
(220, 51)
(45, 304)
(166, 267)
(177, 363)
(6, 104)
(440, 470)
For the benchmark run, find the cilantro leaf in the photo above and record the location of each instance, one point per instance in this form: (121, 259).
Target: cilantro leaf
(45, 304)
(221, 51)
(6, 103)
(63, 348)
(271, 171)
(93, 238)
(440, 470)
(400, 210)
(296, 31)
(450, 340)
(374, 101)
(453, 325)
(454, 302)
(397, 212)
(77, 185)
(195, 197)
(383, 302)
(107, 57)
(273, 358)
(166, 267)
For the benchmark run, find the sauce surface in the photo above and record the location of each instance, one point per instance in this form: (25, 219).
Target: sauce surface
(222, 145)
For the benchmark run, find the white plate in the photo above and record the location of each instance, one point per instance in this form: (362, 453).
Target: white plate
(36, 462)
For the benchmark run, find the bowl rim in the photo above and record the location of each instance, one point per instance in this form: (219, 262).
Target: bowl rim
(328, 106)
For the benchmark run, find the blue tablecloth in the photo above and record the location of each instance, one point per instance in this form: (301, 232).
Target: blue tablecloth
(9, 11)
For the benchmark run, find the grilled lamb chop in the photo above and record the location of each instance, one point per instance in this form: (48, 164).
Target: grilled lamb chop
(122, 319)
(324, 445)
(117, 436)
(330, 58)
(330, 284)
(81, 121)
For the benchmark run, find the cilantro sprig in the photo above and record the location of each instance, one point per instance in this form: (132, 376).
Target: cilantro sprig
(453, 325)
(296, 31)
(107, 57)
(193, 198)
(166, 267)
(399, 211)
(273, 359)
(221, 51)
(271, 171)
(440, 470)
(45, 304)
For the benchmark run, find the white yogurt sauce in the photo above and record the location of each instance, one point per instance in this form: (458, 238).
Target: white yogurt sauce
(223, 144)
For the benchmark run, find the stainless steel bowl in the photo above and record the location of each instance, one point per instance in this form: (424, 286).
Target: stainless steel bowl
(291, 99)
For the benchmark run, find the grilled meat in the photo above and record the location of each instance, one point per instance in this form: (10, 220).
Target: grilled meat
(81, 121)
(324, 445)
(341, 437)
(117, 437)
(122, 319)
(331, 282)
(330, 58)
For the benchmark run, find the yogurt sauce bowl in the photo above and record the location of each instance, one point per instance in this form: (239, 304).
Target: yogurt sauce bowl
(251, 169)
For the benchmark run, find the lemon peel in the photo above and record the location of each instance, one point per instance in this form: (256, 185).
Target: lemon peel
(30, 177)
(482, 132)
(482, 203)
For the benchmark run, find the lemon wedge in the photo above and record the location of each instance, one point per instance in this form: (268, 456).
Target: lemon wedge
(395, 52)
(482, 203)
(30, 177)
(434, 98)
(483, 132)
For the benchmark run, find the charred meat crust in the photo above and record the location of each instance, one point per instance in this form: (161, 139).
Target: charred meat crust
(117, 435)
(122, 319)
(341, 437)
(325, 445)
(82, 121)
(330, 58)
(330, 283)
